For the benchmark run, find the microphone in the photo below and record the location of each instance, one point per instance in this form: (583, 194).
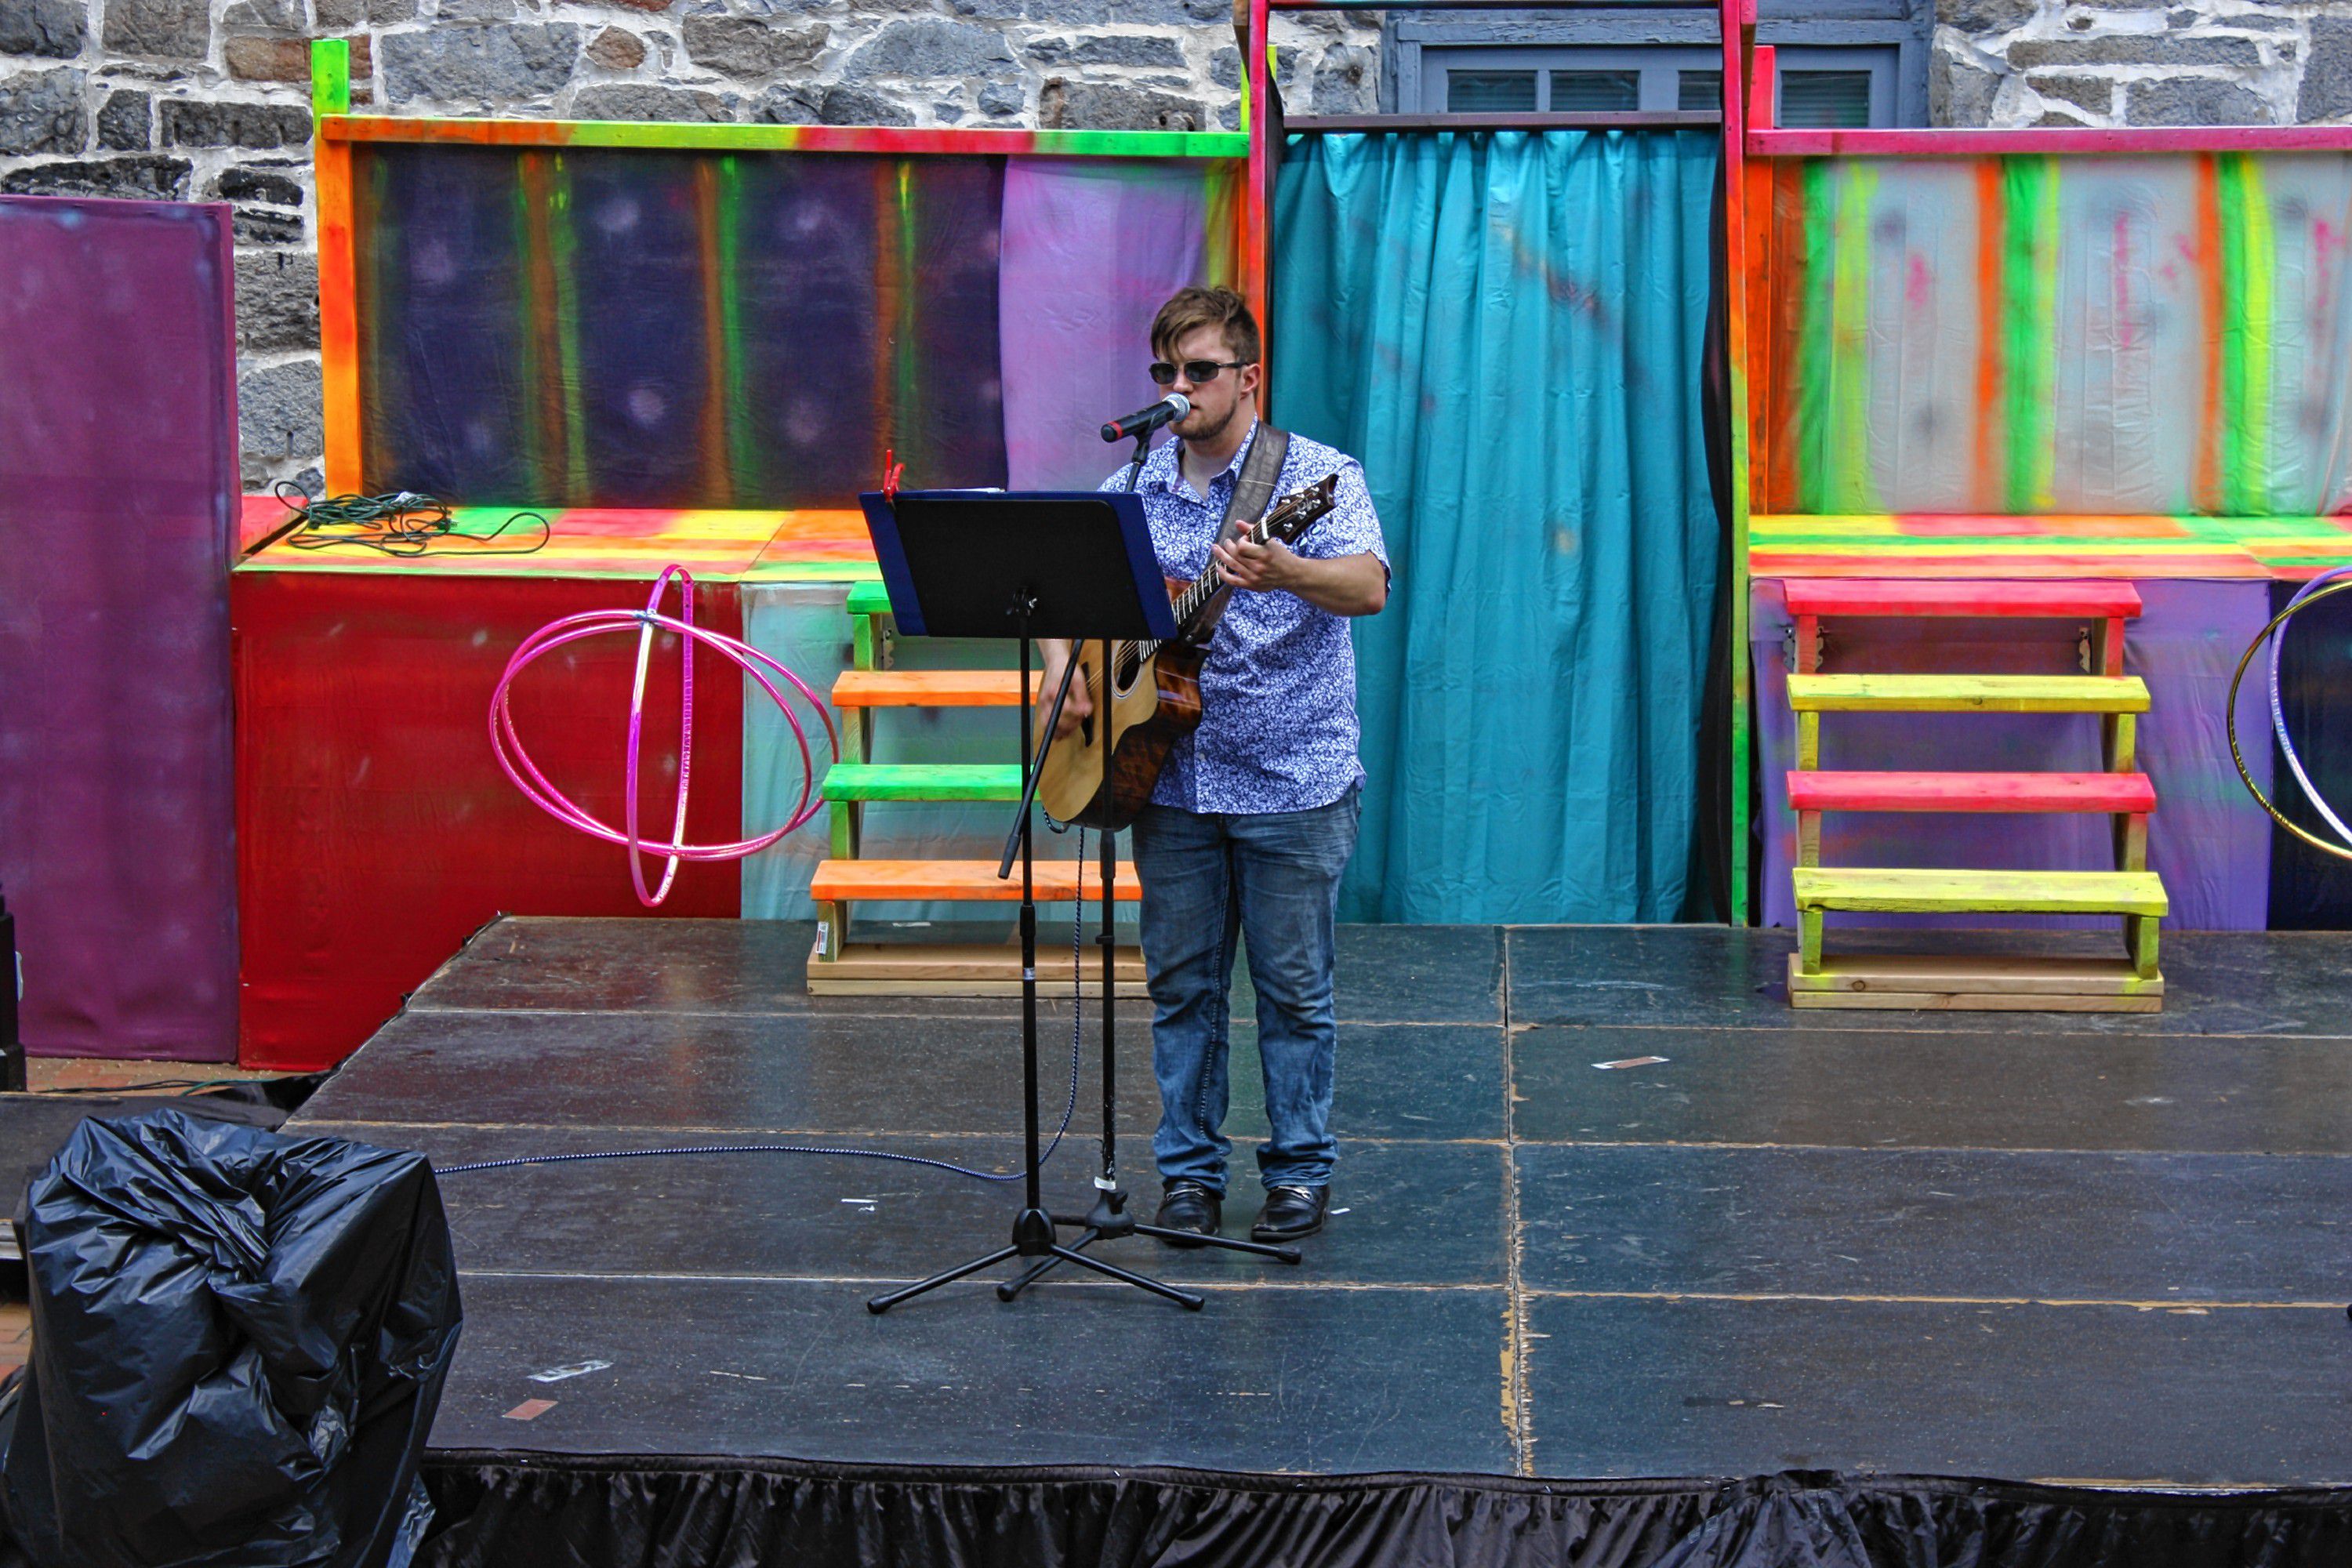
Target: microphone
(1168, 410)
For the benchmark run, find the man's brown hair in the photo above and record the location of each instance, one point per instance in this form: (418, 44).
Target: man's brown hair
(1193, 309)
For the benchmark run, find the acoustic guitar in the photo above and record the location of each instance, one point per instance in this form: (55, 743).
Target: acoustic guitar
(1155, 695)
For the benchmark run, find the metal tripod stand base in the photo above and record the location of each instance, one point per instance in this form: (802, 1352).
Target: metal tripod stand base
(1109, 1221)
(1033, 1237)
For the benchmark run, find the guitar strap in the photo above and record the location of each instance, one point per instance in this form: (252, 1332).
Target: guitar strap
(1253, 493)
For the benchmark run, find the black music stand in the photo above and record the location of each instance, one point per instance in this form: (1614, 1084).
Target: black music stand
(1069, 565)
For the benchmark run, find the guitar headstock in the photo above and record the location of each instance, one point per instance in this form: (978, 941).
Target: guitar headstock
(1295, 513)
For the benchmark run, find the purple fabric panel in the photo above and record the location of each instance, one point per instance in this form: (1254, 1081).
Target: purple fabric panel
(1090, 251)
(2208, 839)
(118, 511)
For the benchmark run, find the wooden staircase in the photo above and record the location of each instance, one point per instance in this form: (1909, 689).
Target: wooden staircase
(838, 966)
(2132, 983)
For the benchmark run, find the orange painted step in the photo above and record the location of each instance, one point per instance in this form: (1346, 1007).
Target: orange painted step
(2129, 793)
(853, 881)
(1982, 600)
(929, 688)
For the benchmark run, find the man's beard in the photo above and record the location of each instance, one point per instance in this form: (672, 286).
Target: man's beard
(1209, 433)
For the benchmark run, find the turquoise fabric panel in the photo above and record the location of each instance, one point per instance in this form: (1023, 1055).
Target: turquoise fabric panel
(1505, 328)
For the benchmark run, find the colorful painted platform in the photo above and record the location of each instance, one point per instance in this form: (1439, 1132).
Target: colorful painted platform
(1941, 545)
(829, 545)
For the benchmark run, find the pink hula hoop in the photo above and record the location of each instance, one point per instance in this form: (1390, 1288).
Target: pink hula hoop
(516, 763)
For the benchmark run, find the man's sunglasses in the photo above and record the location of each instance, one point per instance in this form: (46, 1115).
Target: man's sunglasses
(1196, 371)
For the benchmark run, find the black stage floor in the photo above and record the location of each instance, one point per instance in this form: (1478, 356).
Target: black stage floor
(2103, 1250)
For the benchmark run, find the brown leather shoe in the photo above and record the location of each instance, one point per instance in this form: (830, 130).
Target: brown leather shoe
(1189, 1206)
(1290, 1213)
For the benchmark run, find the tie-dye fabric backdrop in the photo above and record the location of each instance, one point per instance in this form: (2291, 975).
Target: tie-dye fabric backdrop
(2058, 334)
(619, 327)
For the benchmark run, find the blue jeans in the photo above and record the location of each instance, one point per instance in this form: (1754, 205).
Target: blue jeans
(1274, 879)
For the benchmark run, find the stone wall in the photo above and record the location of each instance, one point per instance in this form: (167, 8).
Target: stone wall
(2140, 63)
(209, 101)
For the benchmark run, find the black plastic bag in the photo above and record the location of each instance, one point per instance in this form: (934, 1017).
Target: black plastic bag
(239, 1339)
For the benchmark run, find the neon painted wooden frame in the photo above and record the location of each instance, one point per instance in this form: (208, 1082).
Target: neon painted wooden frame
(338, 130)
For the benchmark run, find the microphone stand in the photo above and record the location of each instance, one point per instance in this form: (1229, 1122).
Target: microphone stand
(1108, 1219)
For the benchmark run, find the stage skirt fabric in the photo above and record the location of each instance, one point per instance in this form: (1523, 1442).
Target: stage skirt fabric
(548, 1511)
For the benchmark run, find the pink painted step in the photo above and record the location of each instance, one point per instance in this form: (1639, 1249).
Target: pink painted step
(1869, 596)
(2128, 793)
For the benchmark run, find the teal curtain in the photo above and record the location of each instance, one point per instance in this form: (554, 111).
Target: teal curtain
(1505, 328)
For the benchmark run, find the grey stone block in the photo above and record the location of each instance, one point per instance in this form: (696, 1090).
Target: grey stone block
(381, 12)
(798, 104)
(175, 29)
(2096, 93)
(280, 413)
(126, 121)
(1985, 15)
(1347, 81)
(1127, 50)
(750, 47)
(150, 176)
(276, 301)
(264, 226)
(258, 185)
(860, 106)
(485, 62)
(640, 100)
(1960, 92)
(51, 28)
(2133, 50)
(946, 113)
(2194, 100)
(1098, 106)
(263, 16)
(1001, 98)
(201, 122)
(41, 111)
(2327, 71)
(994, 10)
(930, 46)
(340, 14)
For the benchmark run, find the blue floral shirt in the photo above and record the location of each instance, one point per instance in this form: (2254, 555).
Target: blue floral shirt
(1278, 688)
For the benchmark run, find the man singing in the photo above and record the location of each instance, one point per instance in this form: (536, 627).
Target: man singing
(1255, 815)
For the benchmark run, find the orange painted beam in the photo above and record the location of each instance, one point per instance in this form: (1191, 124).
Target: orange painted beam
(857, 881)
(930, 688)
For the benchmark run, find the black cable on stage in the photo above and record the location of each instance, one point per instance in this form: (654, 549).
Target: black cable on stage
(2230, 719)
(1069, 1108)
(402, 525)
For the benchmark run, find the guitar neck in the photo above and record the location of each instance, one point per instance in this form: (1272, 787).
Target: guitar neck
(1208, 584)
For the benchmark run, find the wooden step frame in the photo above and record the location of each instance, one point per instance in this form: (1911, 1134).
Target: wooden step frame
(2132, 983)
(896, 969)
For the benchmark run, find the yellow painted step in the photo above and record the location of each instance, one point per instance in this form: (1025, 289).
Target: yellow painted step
(1973, 892)
(1967, 693)
(854, 881)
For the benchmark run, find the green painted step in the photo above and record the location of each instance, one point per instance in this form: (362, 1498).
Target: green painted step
(1967, 693)
(2005, 892)
(923, 780)
(869, 597)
